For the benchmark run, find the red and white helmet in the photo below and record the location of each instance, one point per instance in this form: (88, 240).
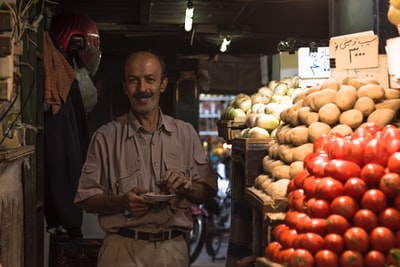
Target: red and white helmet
(77, 33)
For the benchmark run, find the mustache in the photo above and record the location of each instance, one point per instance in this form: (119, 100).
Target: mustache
(143, 94)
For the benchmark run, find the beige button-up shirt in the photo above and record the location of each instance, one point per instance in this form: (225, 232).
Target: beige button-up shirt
(122, 156)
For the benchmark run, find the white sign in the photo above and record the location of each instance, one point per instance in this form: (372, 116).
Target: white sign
(314, 64)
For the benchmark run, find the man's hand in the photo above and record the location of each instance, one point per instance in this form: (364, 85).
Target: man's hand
(136, 204)
(177, 182)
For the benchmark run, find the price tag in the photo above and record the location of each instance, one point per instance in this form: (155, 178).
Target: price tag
(314, 64)
(354, 51)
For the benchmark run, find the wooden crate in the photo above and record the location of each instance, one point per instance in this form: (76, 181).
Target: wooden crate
(267, 213)
(247, 155)
(230, 129)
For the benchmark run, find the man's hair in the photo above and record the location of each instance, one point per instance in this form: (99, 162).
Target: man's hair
(164, 72)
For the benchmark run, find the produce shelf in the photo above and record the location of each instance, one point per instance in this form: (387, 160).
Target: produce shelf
(230, 129)
(267, 212)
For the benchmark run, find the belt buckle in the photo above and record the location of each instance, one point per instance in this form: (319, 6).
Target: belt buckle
(158, 236)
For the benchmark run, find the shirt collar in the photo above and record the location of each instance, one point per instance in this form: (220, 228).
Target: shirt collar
(164, 123)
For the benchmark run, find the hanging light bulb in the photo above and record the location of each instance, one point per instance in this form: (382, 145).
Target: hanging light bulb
(225, 43)
(189, 16)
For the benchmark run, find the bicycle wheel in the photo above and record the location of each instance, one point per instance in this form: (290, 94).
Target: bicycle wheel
(197, 237)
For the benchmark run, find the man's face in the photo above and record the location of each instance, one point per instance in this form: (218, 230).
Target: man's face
(143, 83)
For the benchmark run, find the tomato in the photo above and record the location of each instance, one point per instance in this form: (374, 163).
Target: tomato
(394, 163)
(338, 148)
(397, 238)
(278, 230)
(284, 255)
(393, 257)
(382, 239)
(301, 258)
(271, 250)
(293, 217)
(318, 208)
(374, 199)
(287, 237)
(371, 127)
(315, 163)
(329, 188)
(351, 258)
(356, 238)
(390, 218)
(299, 178)
(362, 132)
(355, 187)
(296, 200)
(337, 224)
(342, 170)
(374, 258)
(291, 186)
(371, 173)
(320, 143)
(366, 219)
(376, 152)
(396, 202)
(390, 184)
(326, 258)
(356, 151)
(391, 139)
(309, 186)
(311, 242)
(345, 206)
(334, 242)
(312, 225)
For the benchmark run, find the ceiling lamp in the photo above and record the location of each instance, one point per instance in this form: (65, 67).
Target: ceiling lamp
(225, 43)
(189, 16)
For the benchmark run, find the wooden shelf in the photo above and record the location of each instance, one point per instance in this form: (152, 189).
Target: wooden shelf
(14, 153)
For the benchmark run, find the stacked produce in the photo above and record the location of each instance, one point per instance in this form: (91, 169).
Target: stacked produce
(261, 110)
(332, 107)
(344, 207)
(393, 13)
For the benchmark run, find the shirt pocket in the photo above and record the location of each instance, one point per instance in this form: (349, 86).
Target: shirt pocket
(174, 161)
(127, 183)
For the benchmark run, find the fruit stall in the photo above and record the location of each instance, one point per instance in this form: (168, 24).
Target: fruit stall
(315, 173)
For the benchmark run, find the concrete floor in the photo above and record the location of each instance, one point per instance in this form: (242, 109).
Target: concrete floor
(204, 260)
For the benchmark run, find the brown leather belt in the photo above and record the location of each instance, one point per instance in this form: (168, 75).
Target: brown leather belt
(149, 236)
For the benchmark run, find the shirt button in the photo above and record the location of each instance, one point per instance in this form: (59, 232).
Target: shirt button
(156, 164)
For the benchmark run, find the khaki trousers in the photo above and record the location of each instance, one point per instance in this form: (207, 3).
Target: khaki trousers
(119, 251)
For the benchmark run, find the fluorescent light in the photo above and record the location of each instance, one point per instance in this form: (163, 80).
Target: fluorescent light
(225, 43)
(189, 16)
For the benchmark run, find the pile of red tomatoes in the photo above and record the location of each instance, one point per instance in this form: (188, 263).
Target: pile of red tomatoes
(344, 208)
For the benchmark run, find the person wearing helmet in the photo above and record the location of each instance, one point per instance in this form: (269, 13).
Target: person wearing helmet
(66, 131)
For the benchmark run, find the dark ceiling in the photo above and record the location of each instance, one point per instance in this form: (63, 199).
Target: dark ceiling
(256, 26)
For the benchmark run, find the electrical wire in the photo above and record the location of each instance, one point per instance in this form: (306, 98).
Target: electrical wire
(22, 64)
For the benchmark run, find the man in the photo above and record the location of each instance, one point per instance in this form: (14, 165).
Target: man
(140, 152)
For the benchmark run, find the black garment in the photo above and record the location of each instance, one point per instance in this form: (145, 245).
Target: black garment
(66, 142)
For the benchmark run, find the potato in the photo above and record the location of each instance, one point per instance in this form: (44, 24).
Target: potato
(285, 153)
(351, 117)
(306, 116)
(286, 115)
(318, 99)
(389, 103)
(392, 93)
(278, 189)
(273, 151)
(365, 104)
(260, 179)
(374, 91)
(298, 135)
(316, 129)
(342, 129)
(314, 88)
(295, 168)
(382, 116)
(347, 79)
(299, 96)
(281, 172)
(346, 97)
(329, 113)
(356, 82)
(300, 152)
(281, 133)
(331, 83)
